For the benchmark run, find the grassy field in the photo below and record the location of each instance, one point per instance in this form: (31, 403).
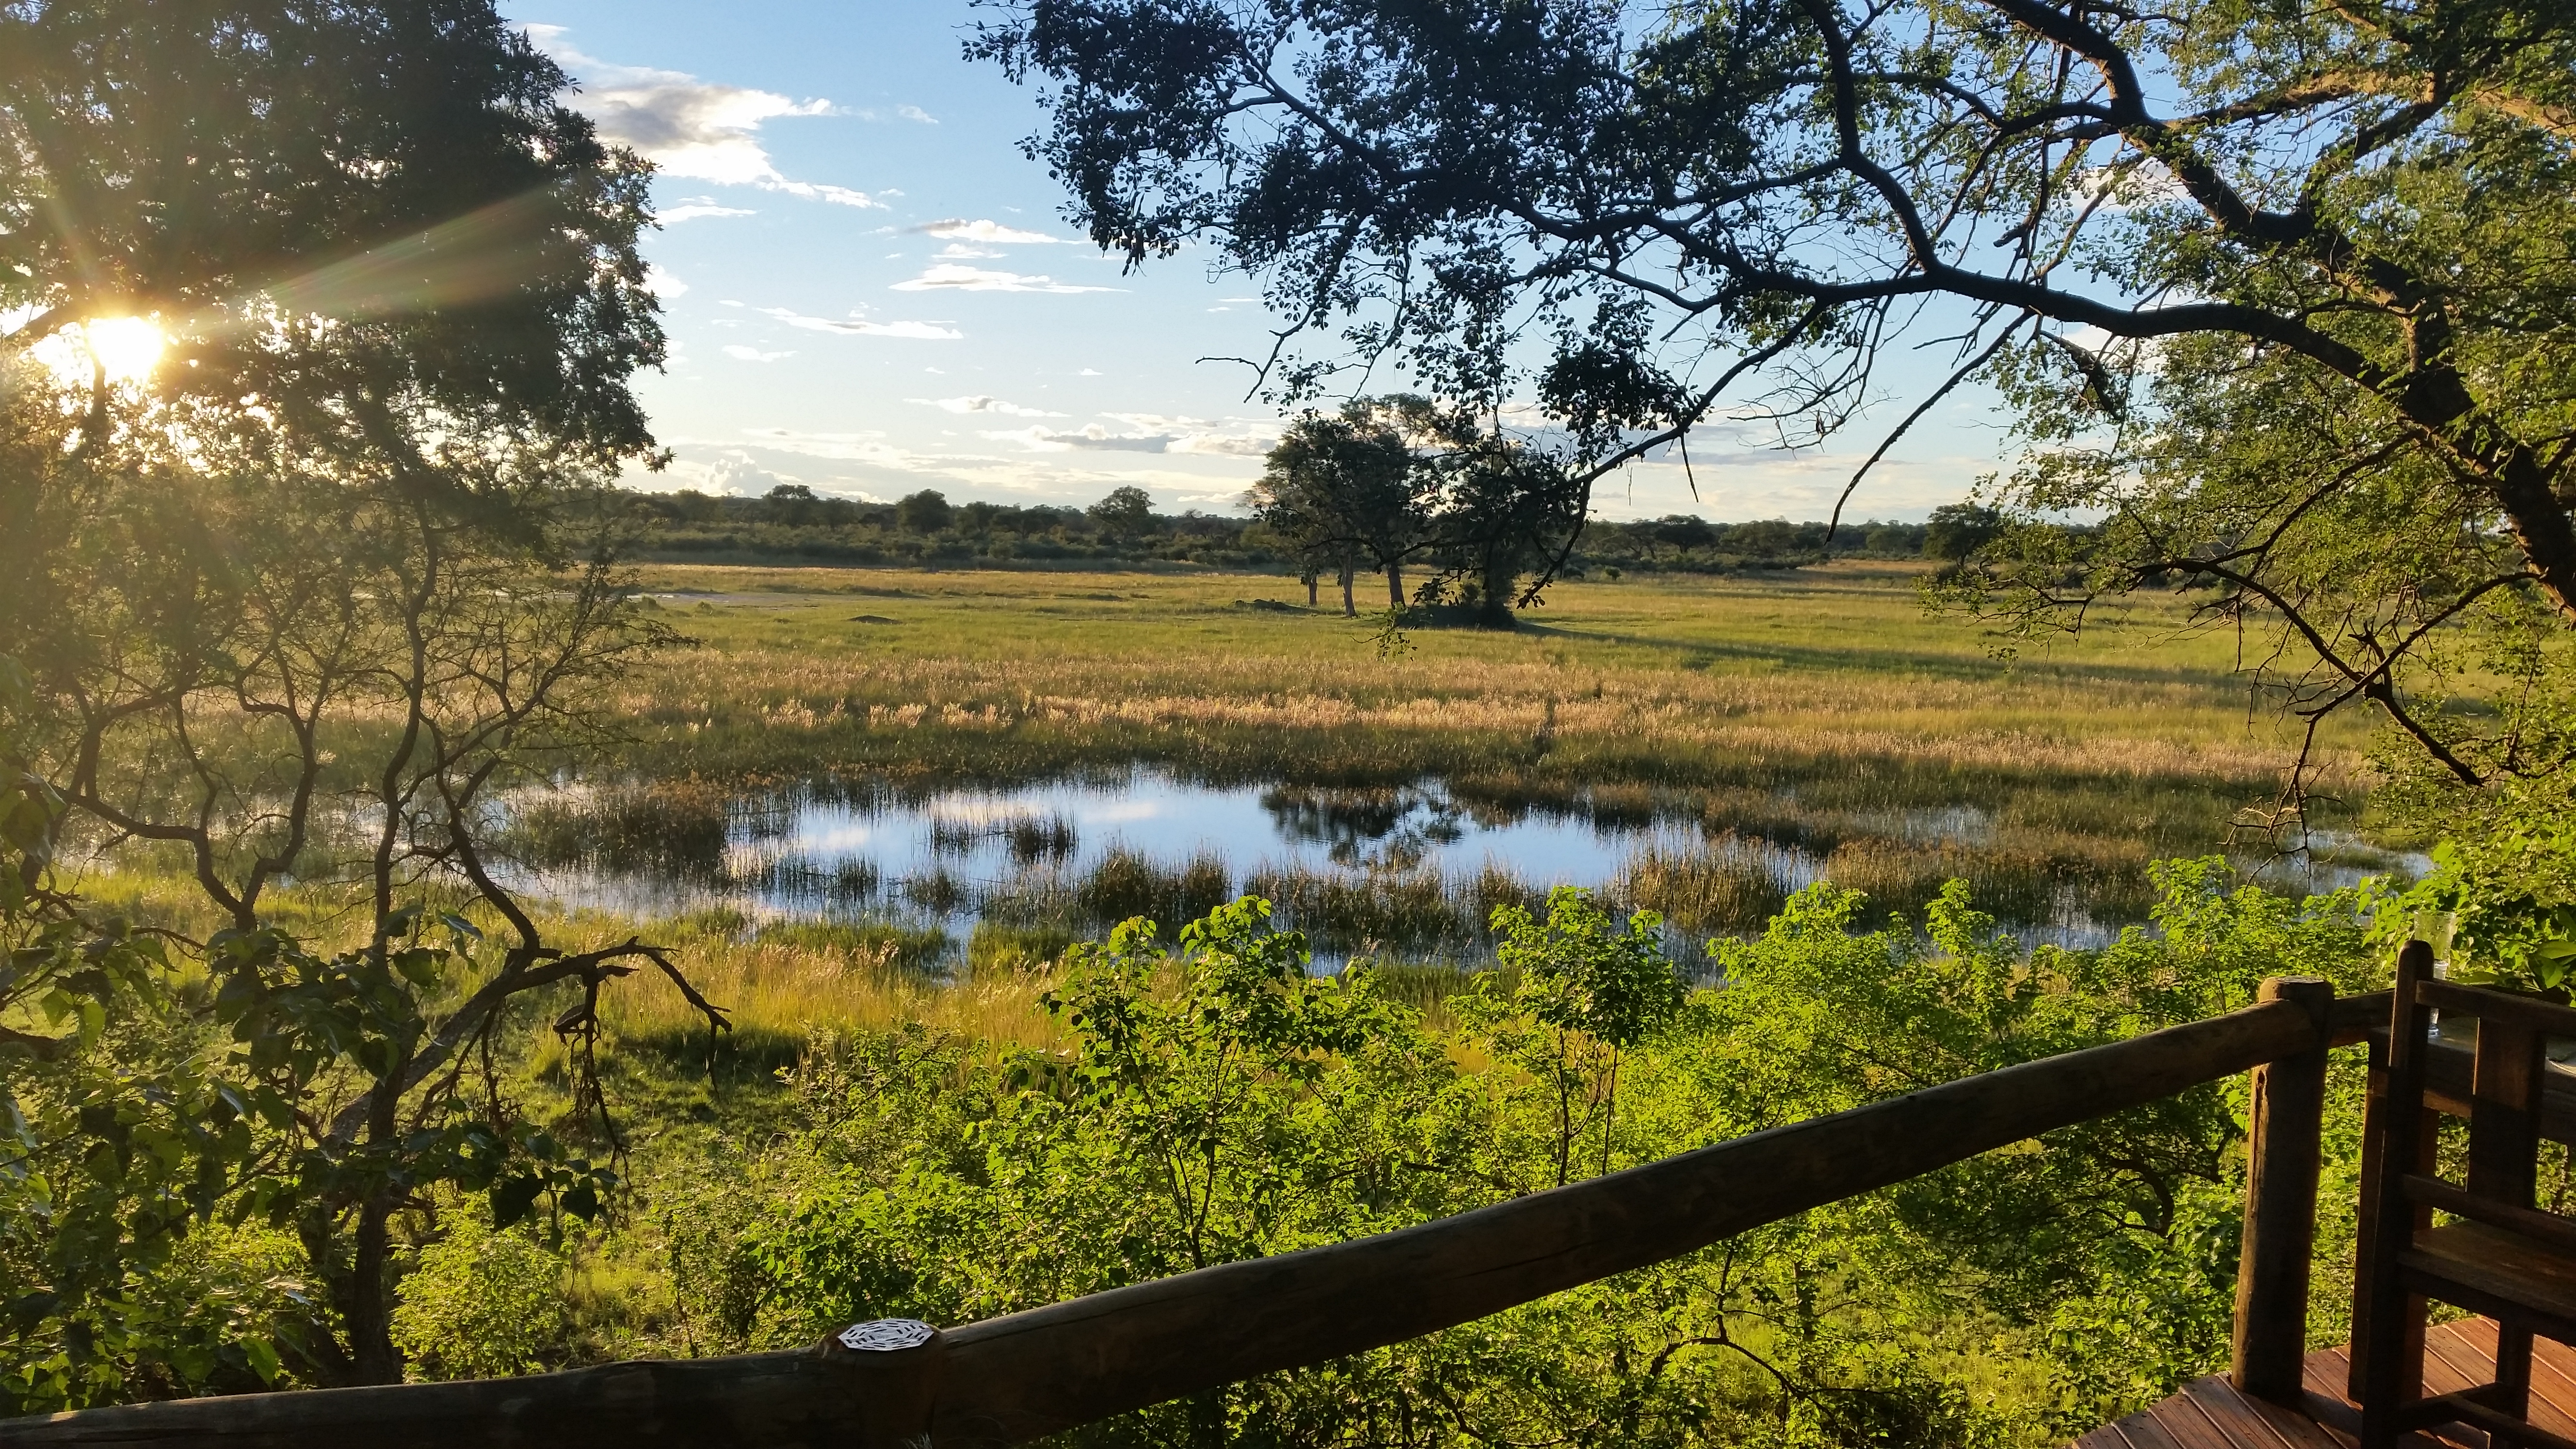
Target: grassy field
(1820, 709)
(1833, 671)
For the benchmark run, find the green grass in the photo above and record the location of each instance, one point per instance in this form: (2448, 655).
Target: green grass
(993, 675)
(1821, 709)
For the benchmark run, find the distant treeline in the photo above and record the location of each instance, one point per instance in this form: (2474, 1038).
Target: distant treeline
(794, 525)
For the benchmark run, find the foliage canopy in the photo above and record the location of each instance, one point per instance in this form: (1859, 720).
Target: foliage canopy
(2271, 286)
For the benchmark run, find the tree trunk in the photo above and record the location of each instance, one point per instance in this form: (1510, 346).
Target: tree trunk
(1349, 609)
(1497, 610)
(370, 1327)
(1310, 588)
(1395, 586)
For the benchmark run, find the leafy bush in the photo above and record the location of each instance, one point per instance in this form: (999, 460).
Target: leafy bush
(483, 1303)
(1215, 1102)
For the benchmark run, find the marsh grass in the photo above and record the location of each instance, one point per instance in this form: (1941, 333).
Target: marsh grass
(1817, 709)
(1729, 683)
(1782, 726)
(1731, 888)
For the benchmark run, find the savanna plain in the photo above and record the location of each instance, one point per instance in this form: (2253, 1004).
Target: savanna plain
(1850, 822)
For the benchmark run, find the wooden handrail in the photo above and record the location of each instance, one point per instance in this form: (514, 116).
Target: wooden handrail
(1011, 1379)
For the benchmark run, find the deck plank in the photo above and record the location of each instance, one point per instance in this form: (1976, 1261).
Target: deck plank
(2210, 1414)
(2146, 1429)
(2252, 1423)
(2553, 1371)
(2191, 1427)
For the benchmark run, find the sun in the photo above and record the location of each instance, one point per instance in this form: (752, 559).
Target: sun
(126, 347)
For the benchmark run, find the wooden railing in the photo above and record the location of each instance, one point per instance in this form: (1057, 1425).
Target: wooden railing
(1007, 1380)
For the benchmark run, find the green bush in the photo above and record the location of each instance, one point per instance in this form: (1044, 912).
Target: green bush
(482, 1304)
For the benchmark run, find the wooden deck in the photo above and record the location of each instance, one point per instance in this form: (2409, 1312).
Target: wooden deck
(2210, 1414)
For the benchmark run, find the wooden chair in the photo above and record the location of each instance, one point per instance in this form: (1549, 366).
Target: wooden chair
(2503, 1257)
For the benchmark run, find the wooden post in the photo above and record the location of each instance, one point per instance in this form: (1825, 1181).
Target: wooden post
(2281, 1206)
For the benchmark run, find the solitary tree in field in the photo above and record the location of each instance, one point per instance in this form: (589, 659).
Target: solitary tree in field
(924, 512)
(323, 320)
(1126, 513)
(1345, 486)
(2283, 293)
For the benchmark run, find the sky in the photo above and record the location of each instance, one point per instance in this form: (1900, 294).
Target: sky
(870, 290)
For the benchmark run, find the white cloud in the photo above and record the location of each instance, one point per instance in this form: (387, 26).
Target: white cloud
(950, 276)
(837, 195)
(753, 354)
(956, 251)
(696, 207)
(860, 447)
(957, 228)
(1151, 434)
(1091, 372)
(981, 404)
(659, 281)
(855, 327)
(916, 113)
(686, 126)
(1220, 437)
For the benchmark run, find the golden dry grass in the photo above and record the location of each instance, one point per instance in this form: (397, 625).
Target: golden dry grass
(1830, 665)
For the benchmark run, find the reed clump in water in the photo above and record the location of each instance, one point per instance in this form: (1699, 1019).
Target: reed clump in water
(1124, 884)
(996, 948)
(1730, 888)
(1402, 910)
(664, 824)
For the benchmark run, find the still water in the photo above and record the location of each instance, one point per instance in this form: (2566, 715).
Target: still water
(947, 858)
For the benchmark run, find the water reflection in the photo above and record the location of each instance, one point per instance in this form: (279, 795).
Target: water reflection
(1369, 829)
(1416, 867)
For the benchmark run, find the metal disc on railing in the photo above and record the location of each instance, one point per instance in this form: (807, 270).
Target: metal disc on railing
(886, 1335)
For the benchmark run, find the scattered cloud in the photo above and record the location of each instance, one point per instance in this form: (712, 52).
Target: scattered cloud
(952, 277)
(1150, 433)
(753, 354)
(1091, 372)
(859, 327)
(957, 251)
(981, 404)
(660, 281)
(736, 475)
(1092, 438)
(957, 228)
(859, 447)
(916, 113)
(1221, 437)
(696, 207)
(689, 127)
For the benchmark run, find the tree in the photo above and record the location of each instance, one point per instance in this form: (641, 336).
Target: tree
(924, 512)
(1344, 485)
(298, 601)
(1127, 513)
(1684, 531)
(1587, 993)
(1505, 510)
(1957, 530)
(2302, 277)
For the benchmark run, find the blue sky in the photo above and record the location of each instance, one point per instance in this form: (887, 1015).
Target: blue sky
(869, 289)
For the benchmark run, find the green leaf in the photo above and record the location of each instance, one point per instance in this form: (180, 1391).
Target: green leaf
(512, 1197)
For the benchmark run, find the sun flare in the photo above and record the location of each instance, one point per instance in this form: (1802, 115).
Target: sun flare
(127, 347)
